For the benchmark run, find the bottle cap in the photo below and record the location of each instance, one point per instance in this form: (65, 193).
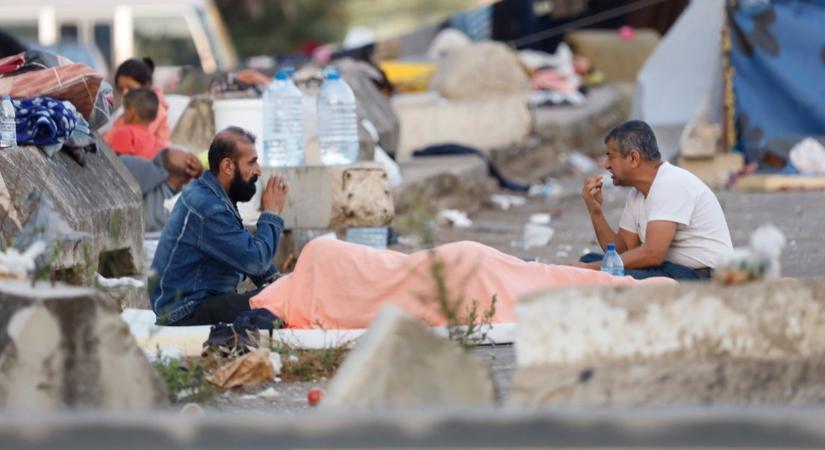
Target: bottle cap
(331, 73)
(282, 74)
(611, 247)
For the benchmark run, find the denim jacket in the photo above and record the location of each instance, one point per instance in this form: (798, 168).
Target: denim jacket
(204, 250)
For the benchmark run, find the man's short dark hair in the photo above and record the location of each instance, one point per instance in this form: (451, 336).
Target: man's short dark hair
(635, 134)
(144, 102)
(225, 145)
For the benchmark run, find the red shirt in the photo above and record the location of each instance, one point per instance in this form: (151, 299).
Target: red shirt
(134, 140)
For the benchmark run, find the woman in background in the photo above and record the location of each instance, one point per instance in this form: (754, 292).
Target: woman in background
(137, 73)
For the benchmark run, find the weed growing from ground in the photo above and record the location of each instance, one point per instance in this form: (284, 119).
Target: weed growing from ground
(466, 323)
(300, 364)
(185, 379)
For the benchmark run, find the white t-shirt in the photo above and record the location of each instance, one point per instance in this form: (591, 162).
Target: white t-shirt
(702, 237)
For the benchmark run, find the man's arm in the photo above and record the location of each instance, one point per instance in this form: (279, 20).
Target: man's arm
(652, 253)
(639, 256)
(226, 240)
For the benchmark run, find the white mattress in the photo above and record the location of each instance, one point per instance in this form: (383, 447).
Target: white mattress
(188, 341)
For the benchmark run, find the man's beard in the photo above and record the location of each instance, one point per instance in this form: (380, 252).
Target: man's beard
(240, 190)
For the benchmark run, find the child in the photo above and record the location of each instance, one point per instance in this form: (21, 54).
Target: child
(138, 73)
(132, 136)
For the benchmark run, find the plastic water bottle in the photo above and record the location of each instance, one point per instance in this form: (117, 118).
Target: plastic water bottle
(612, 262)
(337, 121)
(283, 126)
(8, 129)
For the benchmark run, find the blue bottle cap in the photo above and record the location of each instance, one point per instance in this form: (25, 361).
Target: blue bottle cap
(611, 247)
(331, 73)
(283, 74)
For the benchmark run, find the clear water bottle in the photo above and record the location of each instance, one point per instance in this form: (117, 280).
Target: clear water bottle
(337, 121)
(8, 129)
(283, 126)
(612, 262)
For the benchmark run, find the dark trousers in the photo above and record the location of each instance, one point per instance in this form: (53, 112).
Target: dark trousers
(219, 308)
(667, 269)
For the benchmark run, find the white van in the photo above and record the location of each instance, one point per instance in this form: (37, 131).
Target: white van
(173, 33)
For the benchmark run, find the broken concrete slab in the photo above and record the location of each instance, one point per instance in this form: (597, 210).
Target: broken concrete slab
(101, 201)
(584, 127)
(336, 197)
(480, 70)
(443, 182)
(686, 344)
(401, 363)
(486, 122)
(682, 382)
(64, 347)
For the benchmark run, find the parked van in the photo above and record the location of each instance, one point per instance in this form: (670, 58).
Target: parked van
(172, 32)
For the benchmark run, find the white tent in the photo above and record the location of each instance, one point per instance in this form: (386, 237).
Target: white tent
(679, 89)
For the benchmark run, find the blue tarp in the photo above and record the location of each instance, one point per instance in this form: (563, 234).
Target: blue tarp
(778, 54)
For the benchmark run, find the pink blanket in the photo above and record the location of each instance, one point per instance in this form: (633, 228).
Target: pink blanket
(338, 285)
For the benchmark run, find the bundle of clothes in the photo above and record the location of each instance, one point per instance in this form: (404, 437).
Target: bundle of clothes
(58, 104)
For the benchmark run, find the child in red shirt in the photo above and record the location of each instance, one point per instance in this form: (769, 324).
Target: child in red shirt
(132, 135)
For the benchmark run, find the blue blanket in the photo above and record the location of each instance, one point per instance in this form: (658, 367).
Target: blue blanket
(44, 122)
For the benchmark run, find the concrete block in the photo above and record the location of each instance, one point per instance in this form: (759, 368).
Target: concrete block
(65, 347)
(657, 345)
(443, 182)
(716, 170)
(584, 127)
(401, 362)
(485, 122)
(480, 70)
(619, 59)
(101, 200)
(336, 197)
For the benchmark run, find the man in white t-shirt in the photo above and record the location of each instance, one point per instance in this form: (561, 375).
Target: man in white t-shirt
(672, 224)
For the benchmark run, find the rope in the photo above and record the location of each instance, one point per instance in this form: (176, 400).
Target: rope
(581, 23)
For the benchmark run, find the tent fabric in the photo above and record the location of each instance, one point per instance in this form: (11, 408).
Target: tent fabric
(681, 80)
(778, 56)
(339, 285)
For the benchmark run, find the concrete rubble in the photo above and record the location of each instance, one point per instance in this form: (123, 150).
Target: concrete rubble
(64, 347)
(401, 362)
(101, 202)
(672, 345)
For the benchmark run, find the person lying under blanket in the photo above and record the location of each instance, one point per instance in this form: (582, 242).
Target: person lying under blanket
(340, 285)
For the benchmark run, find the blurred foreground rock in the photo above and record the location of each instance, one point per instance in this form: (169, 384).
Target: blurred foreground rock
(64, 347)
(401, 363)
(692, 344)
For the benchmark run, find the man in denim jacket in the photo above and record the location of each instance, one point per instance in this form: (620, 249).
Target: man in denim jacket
(204, 250)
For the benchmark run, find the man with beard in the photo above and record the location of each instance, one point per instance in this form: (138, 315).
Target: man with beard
(204, 249)
(672, 224)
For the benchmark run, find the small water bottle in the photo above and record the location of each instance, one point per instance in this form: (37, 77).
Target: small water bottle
(283, 126)
(337, 121)
(612, 262)
(8, 128)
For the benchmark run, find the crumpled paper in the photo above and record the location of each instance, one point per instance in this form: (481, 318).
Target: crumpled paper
(250, 369)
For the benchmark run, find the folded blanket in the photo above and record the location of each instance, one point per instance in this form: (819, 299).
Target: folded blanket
(44, 120)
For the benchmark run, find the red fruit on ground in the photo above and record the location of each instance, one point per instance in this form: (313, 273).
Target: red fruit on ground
(314, 396)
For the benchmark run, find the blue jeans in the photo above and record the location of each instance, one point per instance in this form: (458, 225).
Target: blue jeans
(666, 269)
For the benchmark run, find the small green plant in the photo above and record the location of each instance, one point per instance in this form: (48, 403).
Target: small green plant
(185, 379)
(466, 323)
(300, 364)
